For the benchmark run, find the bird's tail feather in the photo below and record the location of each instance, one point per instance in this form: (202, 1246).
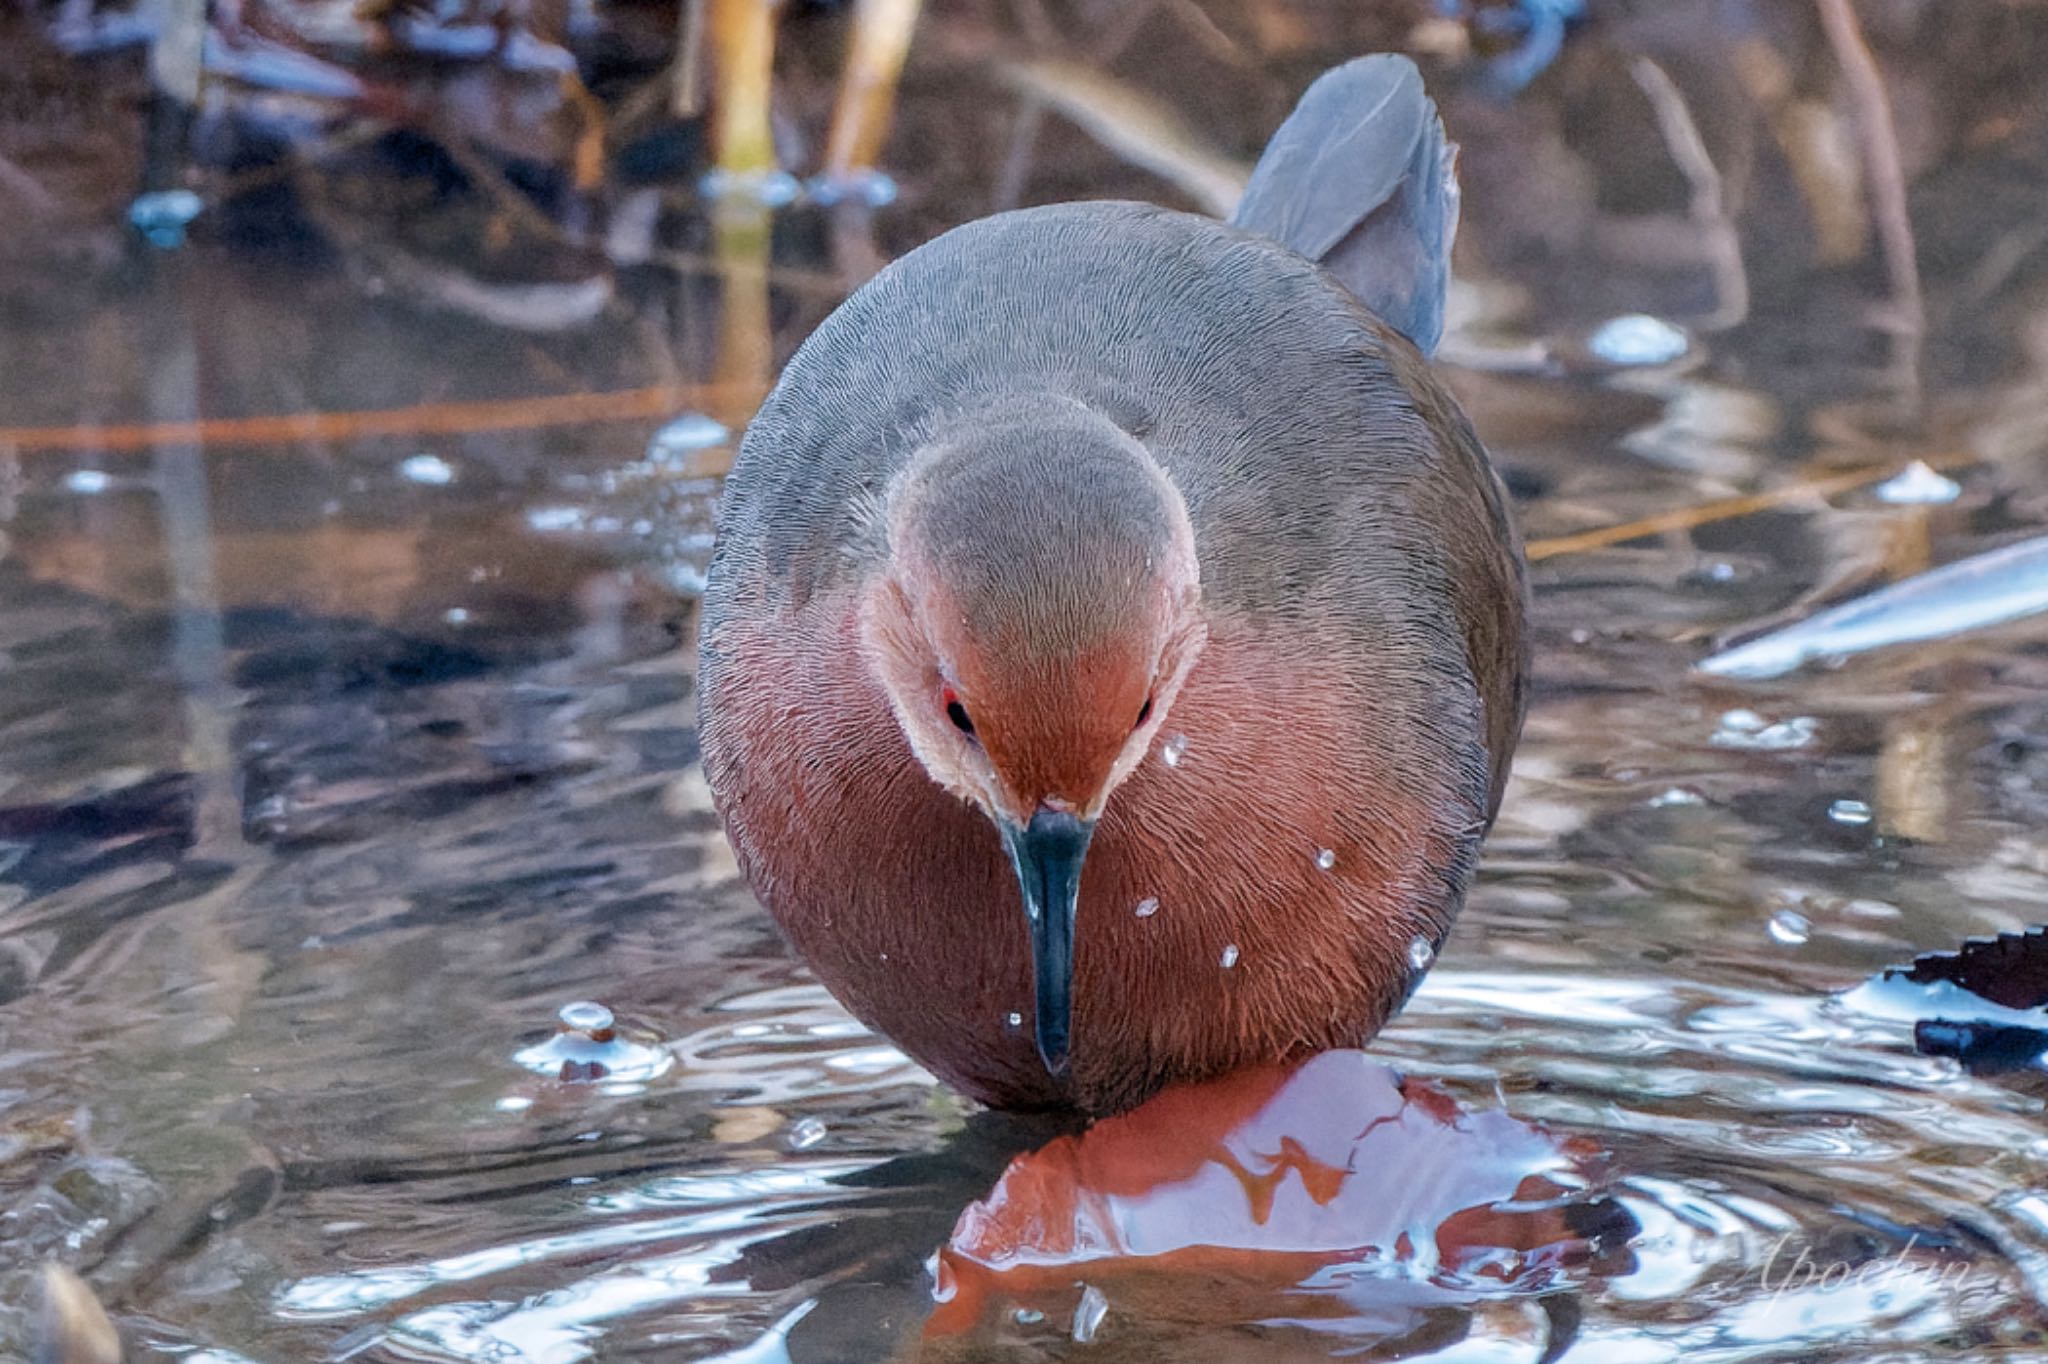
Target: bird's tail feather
(1360, 179)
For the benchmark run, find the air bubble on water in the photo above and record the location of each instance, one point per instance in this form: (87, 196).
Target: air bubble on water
(1230, 955)
(1918, 485)
(1174, 749)
(1420, 952)
(456, 615)
(1851, 812)
(1790, 927)
(88, 481)
(590, 1046)
(1147, 907)
(1676, 795)
(1326, 858)
(805, 1133)
(513, 1103)
(1088, 1314)
(587, 1017)
(431, 470)
(1028, 1316)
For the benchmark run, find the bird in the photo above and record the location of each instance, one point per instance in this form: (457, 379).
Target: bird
(1113, 648)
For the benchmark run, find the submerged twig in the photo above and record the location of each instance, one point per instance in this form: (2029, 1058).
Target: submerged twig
(587, 161)
(1885, 171)
(25, 188)
(1722, 509)
(686, 89)
(1016, 165)
(74, 1328)
(867, 86)
(1709, 206)
(743, 71)
(177, 56)
(1809, 134)
(1137, 127)
(424, 419)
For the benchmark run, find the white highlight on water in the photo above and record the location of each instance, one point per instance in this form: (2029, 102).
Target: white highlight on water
(586, 1016)
(1790, 927)
(1637, 339)
(431, 470)
(1088, 1314)
(1918, 485)
(1746, 729)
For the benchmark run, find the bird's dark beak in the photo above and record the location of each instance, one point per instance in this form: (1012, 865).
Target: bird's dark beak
(1047, 854)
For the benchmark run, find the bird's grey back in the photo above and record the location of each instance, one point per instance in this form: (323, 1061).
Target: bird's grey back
(1330, 481)
(1283, 412)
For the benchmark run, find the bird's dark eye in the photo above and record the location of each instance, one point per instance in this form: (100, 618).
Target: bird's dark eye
(957, 713)
(1144, 714)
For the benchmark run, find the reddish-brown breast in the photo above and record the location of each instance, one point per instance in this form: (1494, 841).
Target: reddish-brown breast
(1255, 898)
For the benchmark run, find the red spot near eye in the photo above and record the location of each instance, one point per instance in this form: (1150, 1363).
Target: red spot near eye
(957, 713)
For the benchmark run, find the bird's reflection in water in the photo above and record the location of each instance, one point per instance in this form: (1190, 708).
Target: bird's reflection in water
(1329, 1194)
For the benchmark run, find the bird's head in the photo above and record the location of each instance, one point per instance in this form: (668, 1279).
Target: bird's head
(1037, 611)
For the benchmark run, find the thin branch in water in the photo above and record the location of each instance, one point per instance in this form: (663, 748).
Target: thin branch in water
(743, 71)
(424, 419)
(1135, 126)
(588, 159)
(1709, 205)
(26, 188)
(177, 57)
(867, 87)
(1886, 172)
(686, 89)
(1016, 170)
(1726, 508)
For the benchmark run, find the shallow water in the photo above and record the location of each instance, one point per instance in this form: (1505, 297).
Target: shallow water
(333, 767)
